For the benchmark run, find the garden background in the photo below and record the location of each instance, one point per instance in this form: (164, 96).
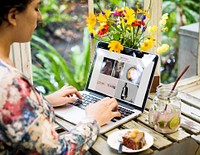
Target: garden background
(61, 46)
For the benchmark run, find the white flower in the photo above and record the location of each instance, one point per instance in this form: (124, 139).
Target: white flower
(162, 22)
(165, 16)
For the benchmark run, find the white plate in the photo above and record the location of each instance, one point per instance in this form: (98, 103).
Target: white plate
(114, 143)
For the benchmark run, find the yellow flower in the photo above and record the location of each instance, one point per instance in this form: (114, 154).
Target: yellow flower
(152, 39)
(103, 17)
(115, 46)
(120, 10)
(147, 14)
(162, 48)
(91, 29)
(147, 44)
(139, 11)
(123, 24)
(152, 28)
(164, 29)
(129, 16)
(91, 20)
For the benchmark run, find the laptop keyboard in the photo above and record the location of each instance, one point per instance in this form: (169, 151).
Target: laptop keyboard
(124, 112)
(87, 99)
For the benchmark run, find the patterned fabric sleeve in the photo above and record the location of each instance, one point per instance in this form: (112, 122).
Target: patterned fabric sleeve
(27, 122)
(43, 137)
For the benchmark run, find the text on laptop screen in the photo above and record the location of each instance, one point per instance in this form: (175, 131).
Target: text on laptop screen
(121, 76)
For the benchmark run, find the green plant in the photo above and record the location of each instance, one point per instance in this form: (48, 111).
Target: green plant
(51, 71)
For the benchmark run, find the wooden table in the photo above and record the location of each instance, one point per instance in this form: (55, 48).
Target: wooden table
(186, 141)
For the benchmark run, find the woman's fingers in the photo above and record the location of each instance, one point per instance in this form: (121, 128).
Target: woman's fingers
(78, 94)
(70, 100)
(113, 103)
(70, 91)
(105, 99)
(104, 110)
(116, 114)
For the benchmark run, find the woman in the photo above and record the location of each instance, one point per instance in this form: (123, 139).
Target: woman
(26, 117)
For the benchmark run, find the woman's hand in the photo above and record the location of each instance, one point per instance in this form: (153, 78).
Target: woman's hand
(103, 111)
(63, 96)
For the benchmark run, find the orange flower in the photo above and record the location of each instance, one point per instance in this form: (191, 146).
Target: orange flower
(103, 30)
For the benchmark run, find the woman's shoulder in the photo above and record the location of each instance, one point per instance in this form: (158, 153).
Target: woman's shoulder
(8, 74)
(13, 85)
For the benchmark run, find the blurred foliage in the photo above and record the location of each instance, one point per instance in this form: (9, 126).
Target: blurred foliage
(60, 16)
(53, 12)
(181, 12)
(60, 21)
(112, 4)
(50, 70)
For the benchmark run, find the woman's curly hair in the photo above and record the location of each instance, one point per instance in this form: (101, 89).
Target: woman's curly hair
(6, 5)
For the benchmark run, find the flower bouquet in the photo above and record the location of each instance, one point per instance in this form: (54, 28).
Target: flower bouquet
(126, 27)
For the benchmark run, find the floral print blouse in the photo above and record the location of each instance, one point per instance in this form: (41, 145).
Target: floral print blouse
(27, 121)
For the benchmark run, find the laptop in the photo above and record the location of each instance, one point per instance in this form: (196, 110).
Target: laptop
(126, 76)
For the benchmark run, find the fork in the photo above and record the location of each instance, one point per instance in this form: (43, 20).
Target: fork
(120, 144)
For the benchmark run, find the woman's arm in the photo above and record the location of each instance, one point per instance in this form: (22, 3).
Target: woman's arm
(27, 119)
(44, 139)
(27, 123)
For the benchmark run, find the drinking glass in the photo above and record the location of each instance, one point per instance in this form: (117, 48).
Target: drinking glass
(165, 110)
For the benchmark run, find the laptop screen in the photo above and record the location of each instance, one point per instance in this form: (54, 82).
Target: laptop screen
(126, 76)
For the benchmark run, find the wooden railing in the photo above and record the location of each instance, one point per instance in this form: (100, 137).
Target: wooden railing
(21, 56)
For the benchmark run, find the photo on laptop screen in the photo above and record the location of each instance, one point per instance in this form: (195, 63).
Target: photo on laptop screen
(126, 77)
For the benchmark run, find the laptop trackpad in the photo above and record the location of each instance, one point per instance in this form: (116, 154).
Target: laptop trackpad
(70, 113)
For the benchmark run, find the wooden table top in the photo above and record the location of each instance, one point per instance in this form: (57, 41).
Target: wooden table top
(186, 141)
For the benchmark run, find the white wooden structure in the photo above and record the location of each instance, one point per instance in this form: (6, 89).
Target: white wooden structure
(21, 56)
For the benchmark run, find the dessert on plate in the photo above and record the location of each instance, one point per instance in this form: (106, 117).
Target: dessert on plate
(134, 139)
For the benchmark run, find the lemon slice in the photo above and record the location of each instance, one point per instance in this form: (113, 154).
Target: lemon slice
(161, 123)
(174, 122)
